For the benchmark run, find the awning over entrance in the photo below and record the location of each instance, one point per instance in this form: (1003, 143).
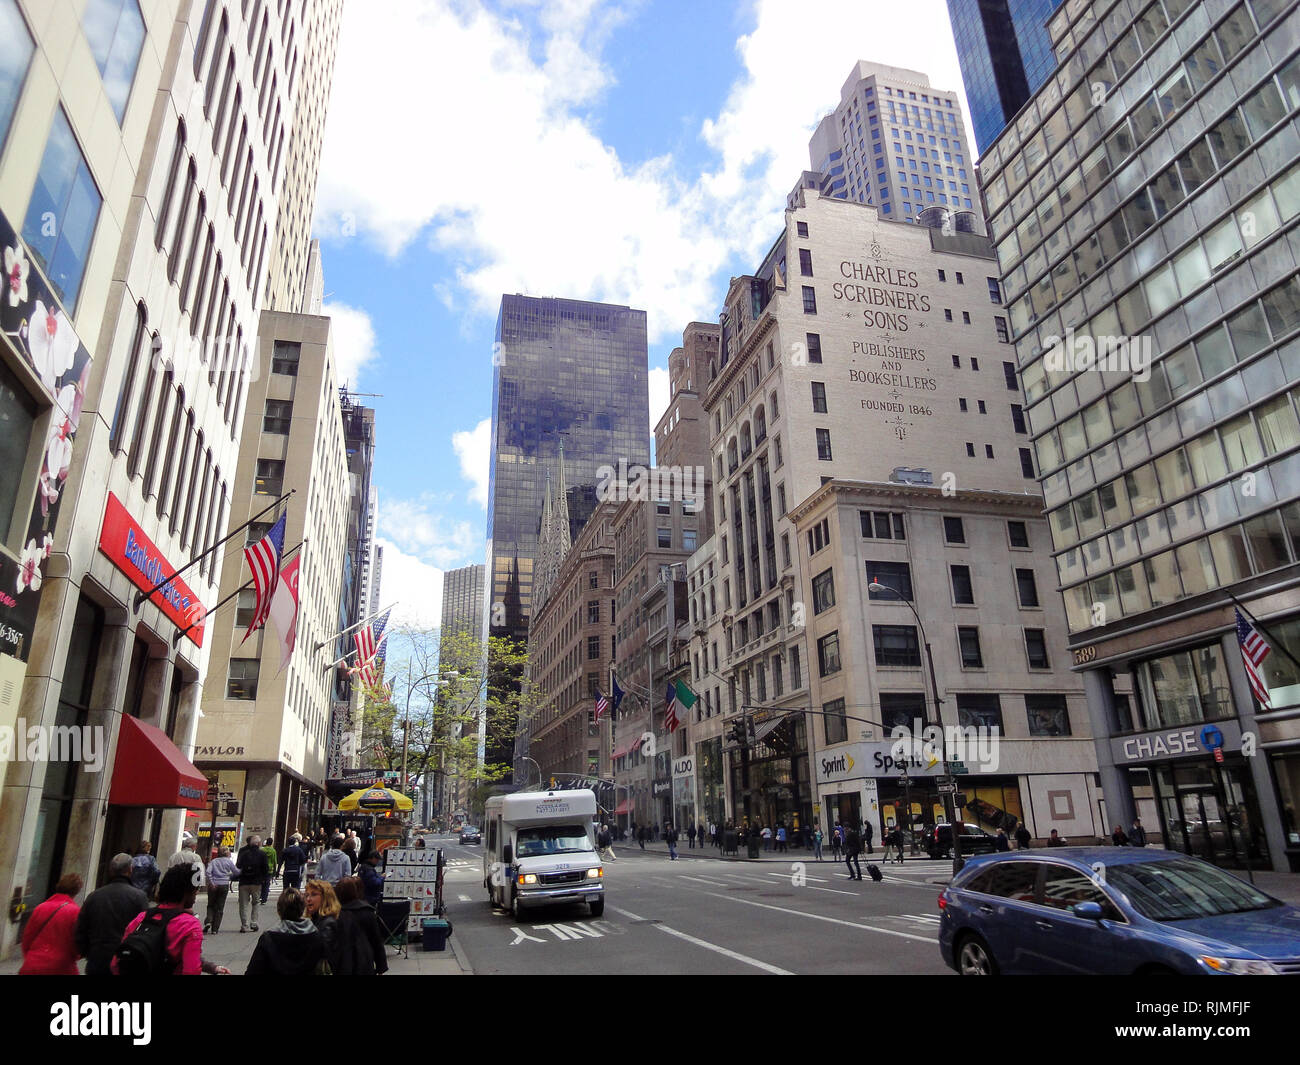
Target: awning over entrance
(763, 729)
(623, 807)
(151, 771)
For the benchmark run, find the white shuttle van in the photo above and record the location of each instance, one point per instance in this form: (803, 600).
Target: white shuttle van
(539, 849)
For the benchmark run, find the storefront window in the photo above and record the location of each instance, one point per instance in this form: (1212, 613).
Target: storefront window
(18, 414)
(1286, 770)
(1185, 688)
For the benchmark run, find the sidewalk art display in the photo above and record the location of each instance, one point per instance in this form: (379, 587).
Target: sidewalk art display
(412, 873)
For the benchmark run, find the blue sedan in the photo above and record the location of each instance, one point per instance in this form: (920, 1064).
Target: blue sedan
(1112, 910)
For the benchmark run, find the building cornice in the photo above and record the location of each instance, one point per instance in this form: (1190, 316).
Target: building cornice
(1032, 503)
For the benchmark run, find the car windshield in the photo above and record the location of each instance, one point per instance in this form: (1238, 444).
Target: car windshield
(467, 830)
(551, 839)
(1183, 889)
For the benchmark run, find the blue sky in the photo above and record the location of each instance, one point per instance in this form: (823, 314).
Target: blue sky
(636, 153)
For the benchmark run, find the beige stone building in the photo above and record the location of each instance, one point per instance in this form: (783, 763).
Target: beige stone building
(265, 728)
(139, 187)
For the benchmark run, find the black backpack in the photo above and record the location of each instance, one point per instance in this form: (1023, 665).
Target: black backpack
(144, 951)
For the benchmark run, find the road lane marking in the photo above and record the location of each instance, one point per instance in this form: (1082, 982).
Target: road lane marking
(816, 916)
(790, 875)
(464, 898)
(733, 955)
(920, 918)
(703, 880)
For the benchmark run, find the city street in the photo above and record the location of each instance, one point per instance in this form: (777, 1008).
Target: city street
(707, 915)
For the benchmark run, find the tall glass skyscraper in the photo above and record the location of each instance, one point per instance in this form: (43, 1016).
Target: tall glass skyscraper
(569, 374)
(1005, 55)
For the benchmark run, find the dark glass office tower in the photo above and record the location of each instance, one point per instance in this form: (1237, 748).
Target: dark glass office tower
(1005, 55)
(568, 373)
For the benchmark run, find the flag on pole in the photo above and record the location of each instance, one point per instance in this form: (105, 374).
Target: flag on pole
(1254, 649)
(264, 561)
(670, 714)
(685, 697)
(602, 705)
(369, 653)
(284, 610)
(618, 692)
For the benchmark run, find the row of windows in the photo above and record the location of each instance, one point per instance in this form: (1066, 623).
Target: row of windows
(896, 577)
(1046, 714)
(899, 646)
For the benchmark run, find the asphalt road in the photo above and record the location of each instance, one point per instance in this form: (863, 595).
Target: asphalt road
(707, 916)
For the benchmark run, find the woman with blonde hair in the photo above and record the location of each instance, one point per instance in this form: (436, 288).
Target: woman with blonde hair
(323, 908)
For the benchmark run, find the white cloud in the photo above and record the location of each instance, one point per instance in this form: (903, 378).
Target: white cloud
(353, 336)
(416, 585)
(475, 450)
(659, 384)
(427, 535)
(519, 187)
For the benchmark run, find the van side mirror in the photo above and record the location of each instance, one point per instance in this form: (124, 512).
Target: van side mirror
(1090, 911)
(507, 855)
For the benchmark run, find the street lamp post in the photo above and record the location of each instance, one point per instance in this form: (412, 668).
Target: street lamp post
(950, 797)
(525, 758)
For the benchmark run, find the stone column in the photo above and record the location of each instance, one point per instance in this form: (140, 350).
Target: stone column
(1099, 687)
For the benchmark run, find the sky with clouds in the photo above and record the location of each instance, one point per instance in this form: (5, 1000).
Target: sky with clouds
(630, 152)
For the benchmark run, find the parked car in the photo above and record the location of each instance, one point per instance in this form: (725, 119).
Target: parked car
(1112, 910)
(470, 834)
(974, 840)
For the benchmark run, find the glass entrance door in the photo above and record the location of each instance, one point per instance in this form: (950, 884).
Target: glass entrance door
(1211, 814)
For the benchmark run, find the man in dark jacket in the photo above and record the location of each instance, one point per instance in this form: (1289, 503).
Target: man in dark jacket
(293, 860)
(852, 848)
(360, 945)
(1023, 838)
(105, 914)
(371, 879)
(868, 832)
(670, 837)
(252, 871)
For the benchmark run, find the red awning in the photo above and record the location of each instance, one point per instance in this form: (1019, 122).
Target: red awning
(634, 746)
(619, 753)
(623, 807)
(151, 771)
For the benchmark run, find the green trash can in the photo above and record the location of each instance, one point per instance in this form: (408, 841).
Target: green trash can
(435, 932)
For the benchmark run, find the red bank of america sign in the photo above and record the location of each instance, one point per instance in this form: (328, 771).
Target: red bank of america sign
(131, 551)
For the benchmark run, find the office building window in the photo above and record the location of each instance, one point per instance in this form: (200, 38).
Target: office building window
(241, 680)
(881, 525)
(593, 647)
(823, 588)
(796, 677)
(896, 576)
(284, 358)
(115, 31)
(988, 451)
(978, 710)
(1026, 587)
(824, 445)
(896, 645)
(665, 537)
(1036, 648)
(970, 450)
(962, 590)
(837, 725)
(805, 262)
(819, 397)
(62, 213)
(1018, 533)
(819, 536)
(1018, 419)
(968, 641)
(828, 654)
(244, 609)
(801, 228)
(814, 347)
(959, 278)
(255, 531)
(270, 477)
(593, 579)
(1026, 463)
(15, 55)
(688, 539)
(953, 531)
(1000, 324)
(809, 300)
(1009, 372)
(593, 611)
(902, 710)
(1047, 715)
(995, 293)
(278, 417)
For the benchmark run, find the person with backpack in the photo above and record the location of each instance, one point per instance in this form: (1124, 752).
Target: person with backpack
(106, 913)
(167, 939)
(50, 938)
(252, 871)
(144, 869)
(294, 860)
(272, 864)
(296, 948)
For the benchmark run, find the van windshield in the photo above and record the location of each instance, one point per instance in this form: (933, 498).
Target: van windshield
(551, 839)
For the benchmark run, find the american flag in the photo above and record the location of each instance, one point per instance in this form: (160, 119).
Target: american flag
(264, 561)
(602, 705)
(670, 715)
(369, 649)
(1254, 649)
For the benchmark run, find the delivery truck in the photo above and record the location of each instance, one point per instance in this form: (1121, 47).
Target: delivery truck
(539, 849)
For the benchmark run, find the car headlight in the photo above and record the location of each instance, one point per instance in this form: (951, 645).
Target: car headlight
(1239, 966)
(528, 878)
(595, 874)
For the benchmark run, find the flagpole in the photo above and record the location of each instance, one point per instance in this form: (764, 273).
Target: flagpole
(242, 588)
(344, 632)
(1273, 640)
(340, 661)
(142, 596)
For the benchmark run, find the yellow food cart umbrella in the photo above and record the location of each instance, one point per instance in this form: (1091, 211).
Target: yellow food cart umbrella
(376, 798)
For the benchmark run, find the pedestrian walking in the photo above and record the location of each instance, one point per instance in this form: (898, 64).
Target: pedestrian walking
(641, 834)
(351, 852)
(106, 913)
(837, 841)
(1023, 838)
(251, 865)
(868, 831)
(817, 841)
(272, 864)
(605, 843)
(145, 873)
(50, 939)
(372, 881)
(766, 833)
(182, 953)
(1137, 835)
(894, 844)
(296, 948)
(780, 838)
(1002, 843)
(323, 910)
(187, 855)
(293, 861)
(361, 941)
(852, 848)
(670, 837)
(334, 864)
(221, 870)
(690, 834)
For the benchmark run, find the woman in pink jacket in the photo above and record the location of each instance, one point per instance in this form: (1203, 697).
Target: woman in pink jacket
(184, 943)
(49, 940)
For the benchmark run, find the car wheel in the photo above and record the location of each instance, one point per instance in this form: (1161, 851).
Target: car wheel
(597, 908)
(974, 957)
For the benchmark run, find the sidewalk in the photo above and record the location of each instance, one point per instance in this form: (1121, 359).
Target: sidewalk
(233, 948)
